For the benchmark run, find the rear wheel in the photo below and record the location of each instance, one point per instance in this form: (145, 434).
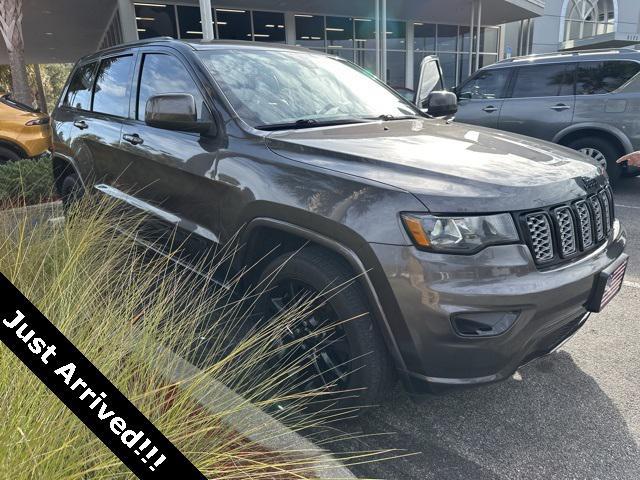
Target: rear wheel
(71, 191)
(7, 155)
(603, 152)
(338, 341)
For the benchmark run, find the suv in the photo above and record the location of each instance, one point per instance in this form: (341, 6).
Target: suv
(24, 131)
(473, 251)
(586, 100)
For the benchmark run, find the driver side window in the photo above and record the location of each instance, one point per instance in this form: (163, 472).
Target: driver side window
(163, 73)
(487, 84)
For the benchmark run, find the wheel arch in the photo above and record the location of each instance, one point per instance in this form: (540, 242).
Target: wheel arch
(613, 134)
(265, 238)
(63, 166)
(14, 147)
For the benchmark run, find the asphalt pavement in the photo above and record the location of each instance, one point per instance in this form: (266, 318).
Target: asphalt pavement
(572, 415)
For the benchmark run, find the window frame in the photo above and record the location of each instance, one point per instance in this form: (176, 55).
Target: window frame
(137, 74)
(515, 73)
(118, 54)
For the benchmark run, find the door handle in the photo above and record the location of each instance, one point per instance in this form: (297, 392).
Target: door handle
(560, 107)
(133, 139)
(490, 109)
(81, 124)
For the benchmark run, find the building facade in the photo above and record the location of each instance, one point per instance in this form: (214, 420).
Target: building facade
(578, 25)
(387, 37)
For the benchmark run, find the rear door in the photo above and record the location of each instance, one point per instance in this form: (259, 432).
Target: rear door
(480, 98)
(541, 100)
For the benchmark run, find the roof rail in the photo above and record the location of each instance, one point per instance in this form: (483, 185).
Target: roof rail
(573, 53)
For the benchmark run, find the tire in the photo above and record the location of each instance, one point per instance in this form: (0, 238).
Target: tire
(370, 368)
(71, 191)
(610, 152)
(7, 155)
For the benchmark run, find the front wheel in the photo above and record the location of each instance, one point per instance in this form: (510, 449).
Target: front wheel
(71, 190)
(603, 152)
(342, 351)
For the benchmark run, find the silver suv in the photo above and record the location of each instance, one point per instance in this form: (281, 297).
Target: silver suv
(588, 101)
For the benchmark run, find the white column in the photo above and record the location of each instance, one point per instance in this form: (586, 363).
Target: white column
(479, 33)
(290, 27)
(409, 68)
(377, 20)
(128, 24)
(471, 35)
(383, 31)
(207, 20)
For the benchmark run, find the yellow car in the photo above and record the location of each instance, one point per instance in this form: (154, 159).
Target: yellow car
(24, 132)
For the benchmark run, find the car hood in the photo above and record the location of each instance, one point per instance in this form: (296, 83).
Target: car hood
(450, 167)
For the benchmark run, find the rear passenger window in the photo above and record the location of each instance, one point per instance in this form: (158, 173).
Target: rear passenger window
(79, 91)
(486, 84)
(165, 74)
(111, 93)
(544, 81)
(603, 77)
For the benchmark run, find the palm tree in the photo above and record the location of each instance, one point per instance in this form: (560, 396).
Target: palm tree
(11, 29)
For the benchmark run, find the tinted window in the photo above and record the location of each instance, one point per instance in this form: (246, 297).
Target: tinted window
(486, 84)
(603, 77)
(233, 24)
(79, 92)
(310, 31)
(111, 93)
(155, 20)
(543, 81)
(165, 74)
(268, 27)
(189, 21)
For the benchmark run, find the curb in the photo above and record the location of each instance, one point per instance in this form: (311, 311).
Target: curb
(245, 418)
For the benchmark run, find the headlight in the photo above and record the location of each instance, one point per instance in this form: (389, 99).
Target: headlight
(460, 234)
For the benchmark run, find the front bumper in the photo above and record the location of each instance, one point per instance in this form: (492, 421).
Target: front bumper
(431, 289)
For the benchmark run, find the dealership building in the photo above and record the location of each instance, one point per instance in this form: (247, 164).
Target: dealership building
(465, 34)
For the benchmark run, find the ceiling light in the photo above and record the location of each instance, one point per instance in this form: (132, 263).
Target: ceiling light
(330, 29)
(142, 29)
(158, 5)
(193, 32)
(316, 38)
(334, 46)
(280, 26)
(303, 15)
(363, 20)
(230, 10)
(418, 23)
(146, 19)
(262, 35)
(48, 33)
(304, 38)
(270, 26)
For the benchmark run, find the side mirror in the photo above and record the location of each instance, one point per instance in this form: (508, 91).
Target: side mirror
(441, 104)
(174, 111)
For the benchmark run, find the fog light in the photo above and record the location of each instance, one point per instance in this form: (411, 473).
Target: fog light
(483, 324)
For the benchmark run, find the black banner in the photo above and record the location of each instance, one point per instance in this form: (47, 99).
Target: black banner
(86, 392)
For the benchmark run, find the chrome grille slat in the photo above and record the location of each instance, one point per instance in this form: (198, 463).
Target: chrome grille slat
(566, 231)
(540, 232)
(577, 227)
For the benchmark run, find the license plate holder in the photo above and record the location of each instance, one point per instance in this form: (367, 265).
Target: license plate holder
(607, 285)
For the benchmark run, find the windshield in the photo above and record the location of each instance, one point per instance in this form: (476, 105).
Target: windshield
(271, 87)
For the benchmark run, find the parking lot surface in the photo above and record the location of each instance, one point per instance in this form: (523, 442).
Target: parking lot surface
(572, 415)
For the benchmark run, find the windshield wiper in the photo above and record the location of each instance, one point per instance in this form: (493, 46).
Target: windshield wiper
(310, 123)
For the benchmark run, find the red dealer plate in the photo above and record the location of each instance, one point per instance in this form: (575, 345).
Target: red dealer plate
(608, 285)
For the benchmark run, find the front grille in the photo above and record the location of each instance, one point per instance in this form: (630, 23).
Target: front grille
(566, 231)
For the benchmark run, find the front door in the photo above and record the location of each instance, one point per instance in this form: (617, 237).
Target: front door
(171, 173)
(541, 102)
(431, 79)
(480, 99)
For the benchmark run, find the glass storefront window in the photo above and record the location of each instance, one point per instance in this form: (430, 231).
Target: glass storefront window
(447, 38)
(396, 35)
(339, 32)
(346, 53)
(156, 21)
(189, 22)
(396, 71)
(269, 27)
(310, 30)
(448, 61)
(233, 24)
(365, 32)
(464, 39)
(367, 60)
(489, 39)
(424, 36)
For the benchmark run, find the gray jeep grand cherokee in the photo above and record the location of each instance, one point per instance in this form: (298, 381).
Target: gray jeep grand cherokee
(475, 251)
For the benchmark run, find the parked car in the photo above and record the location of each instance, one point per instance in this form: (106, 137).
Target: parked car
(24, 131)
(587, 100)
(473, 251)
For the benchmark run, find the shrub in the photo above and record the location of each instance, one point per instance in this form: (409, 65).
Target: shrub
(26, 181)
